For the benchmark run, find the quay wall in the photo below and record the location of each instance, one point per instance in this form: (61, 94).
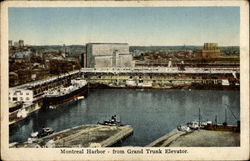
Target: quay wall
(165, 81)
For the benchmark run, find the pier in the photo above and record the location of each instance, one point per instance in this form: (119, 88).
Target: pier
(164, 78)
(160, 76)
(41, 85)
(81, 136)
(214, 70)
(197, 138)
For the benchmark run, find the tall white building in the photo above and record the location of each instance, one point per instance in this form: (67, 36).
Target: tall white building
(108, 55)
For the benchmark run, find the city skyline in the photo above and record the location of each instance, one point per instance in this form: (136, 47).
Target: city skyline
(140, 26)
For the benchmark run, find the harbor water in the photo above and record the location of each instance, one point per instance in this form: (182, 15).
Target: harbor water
(152, 113)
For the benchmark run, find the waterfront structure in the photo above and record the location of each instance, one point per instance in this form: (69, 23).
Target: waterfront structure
(20, 95)
(210, 50)
(162, 77)
(108, 55)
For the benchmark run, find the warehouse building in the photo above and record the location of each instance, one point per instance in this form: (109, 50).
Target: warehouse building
(108, 55)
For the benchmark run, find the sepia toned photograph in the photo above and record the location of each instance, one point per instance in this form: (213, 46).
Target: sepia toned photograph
(133, 79)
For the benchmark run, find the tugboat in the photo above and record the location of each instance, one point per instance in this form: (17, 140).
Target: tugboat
(112, 122)
(44, 132)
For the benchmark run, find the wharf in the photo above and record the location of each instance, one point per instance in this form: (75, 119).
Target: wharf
(166, 139)
(198, 138)
(82, 136)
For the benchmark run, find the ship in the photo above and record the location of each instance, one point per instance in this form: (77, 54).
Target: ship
(55, 97)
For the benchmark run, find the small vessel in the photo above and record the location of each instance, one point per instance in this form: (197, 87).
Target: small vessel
(112, 122)
(44, 132)
(80, 98)
(52, 107)
(184, 128)
(22, 113)
(193, 125)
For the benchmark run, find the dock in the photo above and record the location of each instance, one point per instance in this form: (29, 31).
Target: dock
(165, 140)
(81, 136)
(198, 138)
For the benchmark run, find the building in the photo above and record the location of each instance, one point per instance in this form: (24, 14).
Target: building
(10, 43)
(22, 55)
(83, 60)
(108, 55)
(210, 50)
(16, 44)
(21, 43)
(20, 95)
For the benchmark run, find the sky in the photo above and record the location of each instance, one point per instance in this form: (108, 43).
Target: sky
(158, 26)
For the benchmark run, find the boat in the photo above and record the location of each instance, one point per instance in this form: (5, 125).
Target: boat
(52, 107)
(55, 97)
(44, 132)
(112, 122)
(79, 98)
(22, 113)
(184, 128)
(193, 125)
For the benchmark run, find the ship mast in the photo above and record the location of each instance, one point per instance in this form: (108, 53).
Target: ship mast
(231, 112)
(199, 118)
(225, 123)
